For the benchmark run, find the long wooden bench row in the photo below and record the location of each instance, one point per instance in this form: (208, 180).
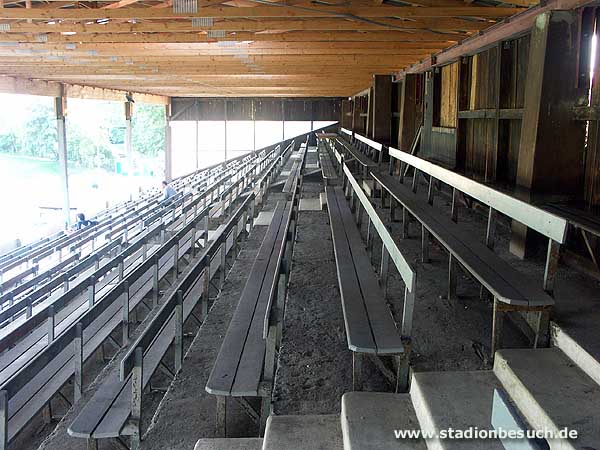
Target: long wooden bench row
(328, 171)
(370, 327)
(115, 409)
(245, 365)
(100, 321)
(201, 199)
(512, 291)
(109, 414)
(62, 240)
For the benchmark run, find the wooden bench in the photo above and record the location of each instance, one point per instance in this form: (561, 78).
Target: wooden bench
(372, 149)
(115, 408)
(588, 224)
(50, 363)
(353, 155)
(327, 168)
(370, 327)
(512, 291)
(295, 173)
(245, 364)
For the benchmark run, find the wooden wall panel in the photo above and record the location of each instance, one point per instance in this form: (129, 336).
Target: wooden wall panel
(411, 110)
(297, 110)
(247, 108)
(449, 96)
(211, 109)
(240, 109)
(329, 109)
(268, 109)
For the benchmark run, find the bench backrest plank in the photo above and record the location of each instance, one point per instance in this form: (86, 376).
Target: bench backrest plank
(365, 140)
(406, 271)
(546, 223)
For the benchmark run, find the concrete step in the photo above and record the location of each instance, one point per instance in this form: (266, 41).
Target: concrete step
(229, 444)
(314, 432)
(552, 393)
(370, 418)
(458, 400)
(587, 362)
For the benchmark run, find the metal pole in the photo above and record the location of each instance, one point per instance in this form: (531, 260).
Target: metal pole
(168, 149)
(60, 104)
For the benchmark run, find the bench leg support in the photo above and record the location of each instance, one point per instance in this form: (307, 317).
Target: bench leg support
(551, 266)
(357, 362)
(404, 234)
(497, 327)
(92, 444)
(452, 278)
(265, 411)
(403, 373)
(424, 244)
(542, 332)
(221, 417)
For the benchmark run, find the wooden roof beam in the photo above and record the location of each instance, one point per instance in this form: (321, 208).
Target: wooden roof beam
(15, 85)
(260, 11)
(507, 29)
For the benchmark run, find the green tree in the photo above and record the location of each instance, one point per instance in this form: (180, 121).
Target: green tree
(88, 151)
(40, 135)
(9, 143)
(148, 129)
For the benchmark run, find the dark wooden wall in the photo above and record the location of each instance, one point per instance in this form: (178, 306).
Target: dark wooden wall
(256, 109)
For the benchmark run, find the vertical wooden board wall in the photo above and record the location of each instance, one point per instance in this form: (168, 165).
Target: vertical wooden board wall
(449, 96)
(480, 145)
(411, 110)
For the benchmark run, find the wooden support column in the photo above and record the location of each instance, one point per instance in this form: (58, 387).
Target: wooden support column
(411, 111)
(129, 135)
(591, 191)
(60, 107)
(168, 147)
(346, 119)
(551, 149)
(381, 131)
(369, 121)
(427, 111)
(197, 142)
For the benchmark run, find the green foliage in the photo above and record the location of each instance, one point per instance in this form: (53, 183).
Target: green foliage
(88, 152)
(148, 129)
(95, 132)
(40, 137)
(9, 142)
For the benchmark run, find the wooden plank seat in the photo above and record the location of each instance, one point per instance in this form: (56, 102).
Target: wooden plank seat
(295, 172)
(512, 290)
(374, 150)
(587, 224)
(55, 363)
(103, 308)
(370, 327)
(8, 298)
(351, 153)
(245, 364)
(327, 168)
(109, 413)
